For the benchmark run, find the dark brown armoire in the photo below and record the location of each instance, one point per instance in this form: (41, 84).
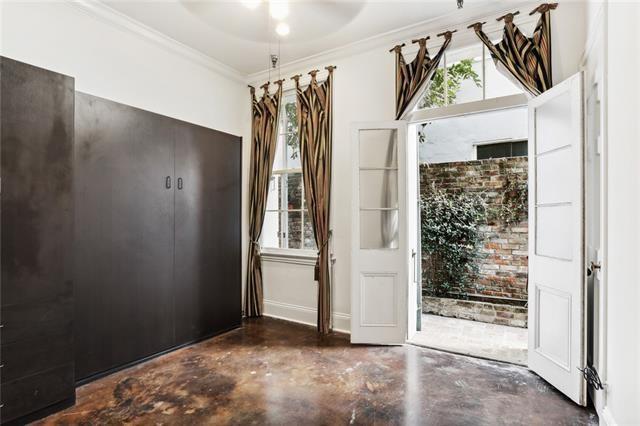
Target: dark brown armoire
(158, 256)
(36, 210)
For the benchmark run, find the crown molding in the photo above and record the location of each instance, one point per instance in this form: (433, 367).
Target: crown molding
(108, 15)
(454, 20)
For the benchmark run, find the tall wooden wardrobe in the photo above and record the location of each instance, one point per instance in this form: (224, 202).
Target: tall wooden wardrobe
(36, 211)
(157, 234)
(120, 237)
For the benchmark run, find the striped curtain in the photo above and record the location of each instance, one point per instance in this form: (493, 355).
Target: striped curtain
(412, 78)
(524, 60)
(315, 128)
(264, 138)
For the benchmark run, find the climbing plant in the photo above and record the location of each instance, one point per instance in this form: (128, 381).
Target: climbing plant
(451, 239)
(513, 205)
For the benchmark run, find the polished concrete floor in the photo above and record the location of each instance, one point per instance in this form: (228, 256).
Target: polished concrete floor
(492, 341)
(275, 372)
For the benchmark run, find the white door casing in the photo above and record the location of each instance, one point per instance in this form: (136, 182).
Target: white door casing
(556, 238)
(379, 255)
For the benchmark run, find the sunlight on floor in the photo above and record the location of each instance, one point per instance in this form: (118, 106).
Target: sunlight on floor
(492, 341)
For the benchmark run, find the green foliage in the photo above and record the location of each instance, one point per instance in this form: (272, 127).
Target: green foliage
(291, 130)
(451, 239)
(437, 96)
(513, 206)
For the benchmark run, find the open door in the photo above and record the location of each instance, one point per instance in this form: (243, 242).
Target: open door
(556, 238)
(380, 251)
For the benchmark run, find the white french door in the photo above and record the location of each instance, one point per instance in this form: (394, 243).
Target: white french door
(380, 249)
(556, 238)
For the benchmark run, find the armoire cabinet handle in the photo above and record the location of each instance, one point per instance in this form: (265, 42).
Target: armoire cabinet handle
(167, 182)
(179, 183)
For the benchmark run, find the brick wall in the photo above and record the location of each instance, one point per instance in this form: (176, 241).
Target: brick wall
(503, 259)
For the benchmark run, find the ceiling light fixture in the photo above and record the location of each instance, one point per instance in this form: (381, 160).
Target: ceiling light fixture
(251, 4)
(279, 10)
(282, 29)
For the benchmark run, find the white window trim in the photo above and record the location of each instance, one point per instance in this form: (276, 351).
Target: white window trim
(457, 110)
(287, 255)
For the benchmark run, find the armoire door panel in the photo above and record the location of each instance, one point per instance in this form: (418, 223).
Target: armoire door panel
(207, 232)
(36, 118)
(124, 234)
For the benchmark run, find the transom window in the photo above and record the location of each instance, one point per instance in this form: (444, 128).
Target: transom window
(465, 75)
(287, 224)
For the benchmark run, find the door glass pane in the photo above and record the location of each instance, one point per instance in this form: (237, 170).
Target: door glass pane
(379, 148)
(378, 188)
(294, 229)
(379, 229)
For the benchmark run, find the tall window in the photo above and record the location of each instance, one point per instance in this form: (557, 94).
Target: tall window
(286, 223)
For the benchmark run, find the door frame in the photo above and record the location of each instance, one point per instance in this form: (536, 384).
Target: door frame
(418, 117)
(593, 66)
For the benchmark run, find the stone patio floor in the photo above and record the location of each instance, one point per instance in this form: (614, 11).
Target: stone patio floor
(491, 341)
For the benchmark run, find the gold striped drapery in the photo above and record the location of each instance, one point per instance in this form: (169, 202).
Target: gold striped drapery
(264, 138)
(524, 60)
(412, 78)
(315, 128)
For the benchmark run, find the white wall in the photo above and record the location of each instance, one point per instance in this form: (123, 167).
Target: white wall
(623, 258)
(111, 61)
(364, 91)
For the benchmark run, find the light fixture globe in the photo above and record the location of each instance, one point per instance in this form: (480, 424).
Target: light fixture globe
(282, 29)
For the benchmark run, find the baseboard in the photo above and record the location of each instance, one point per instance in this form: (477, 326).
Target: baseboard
(304, 315)
(606, 418)
(101, 374)
(42, 413)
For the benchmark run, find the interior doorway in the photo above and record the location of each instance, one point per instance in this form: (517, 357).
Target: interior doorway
(473, 188)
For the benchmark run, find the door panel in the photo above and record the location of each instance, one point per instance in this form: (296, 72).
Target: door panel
(207, 232)
(556, 220)
(124, 234)
(380, 258)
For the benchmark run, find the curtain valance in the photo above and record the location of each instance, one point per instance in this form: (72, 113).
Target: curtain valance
(412, 78)
(524, 60)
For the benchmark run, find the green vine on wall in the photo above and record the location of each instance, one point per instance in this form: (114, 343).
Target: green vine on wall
(451, 239)
(513, 205)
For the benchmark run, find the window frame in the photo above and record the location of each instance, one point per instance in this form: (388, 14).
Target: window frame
(496, 142)
(283, 252)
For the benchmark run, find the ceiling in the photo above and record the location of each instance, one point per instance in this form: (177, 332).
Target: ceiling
(241, 34)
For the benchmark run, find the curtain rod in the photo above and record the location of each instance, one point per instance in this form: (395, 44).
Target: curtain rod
(508, 17)
(283, 82)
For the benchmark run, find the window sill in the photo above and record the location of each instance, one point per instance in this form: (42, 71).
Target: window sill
(293, 256)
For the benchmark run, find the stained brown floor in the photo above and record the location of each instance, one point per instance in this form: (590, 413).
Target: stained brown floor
(275, 372)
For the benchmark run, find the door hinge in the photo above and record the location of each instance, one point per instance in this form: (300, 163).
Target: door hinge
(591, 376)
